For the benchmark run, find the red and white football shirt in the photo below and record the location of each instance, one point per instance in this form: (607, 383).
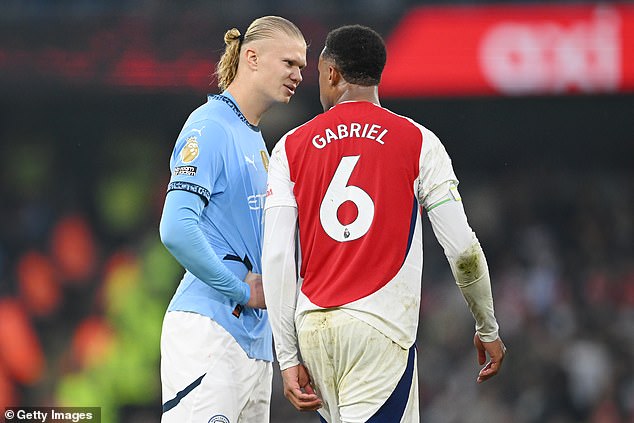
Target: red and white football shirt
(357, 174)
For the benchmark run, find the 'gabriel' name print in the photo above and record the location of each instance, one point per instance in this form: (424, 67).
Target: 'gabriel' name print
(368, 131)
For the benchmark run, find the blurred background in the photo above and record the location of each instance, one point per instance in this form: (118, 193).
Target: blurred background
(534, 102)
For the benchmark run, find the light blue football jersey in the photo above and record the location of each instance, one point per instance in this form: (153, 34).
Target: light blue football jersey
(220, 156)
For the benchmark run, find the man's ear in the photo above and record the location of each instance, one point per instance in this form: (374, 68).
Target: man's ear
(334, 76)
(251, 57)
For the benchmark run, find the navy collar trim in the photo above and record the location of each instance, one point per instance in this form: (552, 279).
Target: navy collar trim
(235, 109)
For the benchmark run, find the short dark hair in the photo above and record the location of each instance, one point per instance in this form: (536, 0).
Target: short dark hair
(358, 52)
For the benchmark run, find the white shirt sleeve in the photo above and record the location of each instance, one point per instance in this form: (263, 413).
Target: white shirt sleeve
(468, 264)
(437, 192)
(279, 190)
(279, 274)
(435, 169)
(279, 279)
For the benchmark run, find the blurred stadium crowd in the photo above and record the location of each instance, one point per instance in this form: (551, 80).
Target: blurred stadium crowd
(559, 246)
(82, 299)
(84, 280)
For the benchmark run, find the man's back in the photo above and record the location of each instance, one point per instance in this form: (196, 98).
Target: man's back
(354, 184)
(358, 173)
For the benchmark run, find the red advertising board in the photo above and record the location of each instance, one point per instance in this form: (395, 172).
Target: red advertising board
(511, 50)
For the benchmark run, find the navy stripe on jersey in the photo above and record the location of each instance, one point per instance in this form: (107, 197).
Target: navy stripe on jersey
(412, 227)
(245, 260)
(188, 186)
(394, 408)
(182, 394)
(236, 109)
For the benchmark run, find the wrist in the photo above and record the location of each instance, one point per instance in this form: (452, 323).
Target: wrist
(246, 293)
(488, 336)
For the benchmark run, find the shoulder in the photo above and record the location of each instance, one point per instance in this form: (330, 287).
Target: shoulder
(308, 126)
(427, 134)
(201, 139)
(403, 120)
(205, 127)
(298, 134)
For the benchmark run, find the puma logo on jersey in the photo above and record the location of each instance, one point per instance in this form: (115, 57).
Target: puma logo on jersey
(199, 131)
(250, 161)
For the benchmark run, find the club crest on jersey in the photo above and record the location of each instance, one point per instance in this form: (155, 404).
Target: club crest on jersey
(265, 159)
(218, 418)
(190, 151)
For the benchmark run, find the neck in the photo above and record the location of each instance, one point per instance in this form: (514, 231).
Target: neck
(251, 106)
(360, 93)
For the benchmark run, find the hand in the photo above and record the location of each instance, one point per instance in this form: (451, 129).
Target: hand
(256, 300)
(297, 389)
(496, 351)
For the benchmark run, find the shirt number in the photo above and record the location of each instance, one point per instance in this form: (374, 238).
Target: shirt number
(339, 192)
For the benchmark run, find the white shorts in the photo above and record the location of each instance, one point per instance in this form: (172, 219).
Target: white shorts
(360, 374)
(207, 377)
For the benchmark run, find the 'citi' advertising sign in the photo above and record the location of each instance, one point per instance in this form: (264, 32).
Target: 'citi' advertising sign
(511, 50)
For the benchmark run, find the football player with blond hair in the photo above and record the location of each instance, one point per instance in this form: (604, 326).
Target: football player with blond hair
(216, 346)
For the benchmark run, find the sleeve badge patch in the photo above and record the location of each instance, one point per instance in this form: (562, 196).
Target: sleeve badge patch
(185, 170)
(190, 151)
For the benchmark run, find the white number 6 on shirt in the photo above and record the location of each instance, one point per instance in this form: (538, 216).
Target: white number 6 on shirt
(339, 192)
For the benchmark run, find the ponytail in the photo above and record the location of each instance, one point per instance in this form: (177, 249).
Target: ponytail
(228, 65)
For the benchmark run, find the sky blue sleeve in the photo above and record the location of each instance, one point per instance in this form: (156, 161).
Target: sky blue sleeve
(183, 238)
(198, 160)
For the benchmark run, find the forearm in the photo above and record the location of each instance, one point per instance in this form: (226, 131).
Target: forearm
(181, 235)
(279, 279)
(472, 277)
(468, 264)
